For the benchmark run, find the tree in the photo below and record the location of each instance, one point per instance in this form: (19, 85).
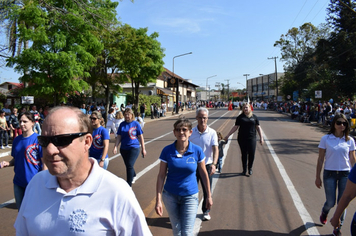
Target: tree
(298, 51)
(341, 46)
(141, 58)
(64, 43)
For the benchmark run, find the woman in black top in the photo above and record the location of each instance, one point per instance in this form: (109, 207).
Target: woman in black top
(248, 124)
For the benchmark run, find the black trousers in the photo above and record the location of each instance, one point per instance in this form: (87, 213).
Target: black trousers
(248, 149)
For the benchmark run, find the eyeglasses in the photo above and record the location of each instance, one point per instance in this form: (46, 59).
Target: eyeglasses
(203, 118)
(93, 118)
(59, 140)
(341, 122)
(181, 129)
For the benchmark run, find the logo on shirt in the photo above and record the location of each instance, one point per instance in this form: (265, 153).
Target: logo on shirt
(133, 132)
(32, 154)
(77, 220)
(98, 142)
(190, 160)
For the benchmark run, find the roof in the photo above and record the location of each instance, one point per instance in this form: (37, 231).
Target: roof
(170, 73)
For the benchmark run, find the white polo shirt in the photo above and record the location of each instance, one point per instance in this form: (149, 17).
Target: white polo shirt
(337, 152)
(206, 140)
(103, 205)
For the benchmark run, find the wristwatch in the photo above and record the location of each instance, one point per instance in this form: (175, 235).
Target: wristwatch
(102, 160)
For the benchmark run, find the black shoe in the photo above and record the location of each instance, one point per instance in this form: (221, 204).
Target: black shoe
(250, 171)
(243, 173)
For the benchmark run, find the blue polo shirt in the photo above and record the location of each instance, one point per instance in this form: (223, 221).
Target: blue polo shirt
(27, 154)
(181, 176)
(129, 132)
(97, 147)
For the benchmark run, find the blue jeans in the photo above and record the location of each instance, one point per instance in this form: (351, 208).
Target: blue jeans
(19, 193)
(143, 116)
(37, 127)
(106, 163)
(4, 134)
(334, 180)
(182, 211)
(130, 157)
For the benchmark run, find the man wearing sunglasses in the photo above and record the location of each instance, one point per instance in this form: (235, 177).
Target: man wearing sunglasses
(75, 195)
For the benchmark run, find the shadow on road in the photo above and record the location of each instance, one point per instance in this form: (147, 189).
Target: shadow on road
(227, 232)
(162, 222)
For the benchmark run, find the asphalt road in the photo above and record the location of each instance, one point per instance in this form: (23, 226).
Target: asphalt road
(280, 198)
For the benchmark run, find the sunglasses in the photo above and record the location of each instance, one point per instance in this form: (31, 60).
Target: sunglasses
(93, 118)
(59, 140)
(181, 129)
(341, 122)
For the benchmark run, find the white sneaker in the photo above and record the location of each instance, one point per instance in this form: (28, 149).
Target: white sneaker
(7, 146)
(206, 216)
(2, 147)
(134, 180)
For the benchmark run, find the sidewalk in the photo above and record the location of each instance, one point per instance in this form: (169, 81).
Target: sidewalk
(168, 115)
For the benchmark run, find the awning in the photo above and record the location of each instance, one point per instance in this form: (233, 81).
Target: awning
(164, 91)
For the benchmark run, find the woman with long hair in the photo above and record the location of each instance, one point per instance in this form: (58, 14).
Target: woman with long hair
(337, 154)
(247, 123)
(101, 137)
(130, 135)
(119, 117)
(27, 156)
(180, 162)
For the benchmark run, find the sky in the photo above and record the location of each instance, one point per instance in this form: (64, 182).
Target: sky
(227, 38)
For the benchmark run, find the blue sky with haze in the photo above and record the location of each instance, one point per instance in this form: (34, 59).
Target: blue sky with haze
(228, 38)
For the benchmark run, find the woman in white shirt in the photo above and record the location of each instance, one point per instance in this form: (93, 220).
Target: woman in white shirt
(337, 150)
(119, 117)
(110, 123)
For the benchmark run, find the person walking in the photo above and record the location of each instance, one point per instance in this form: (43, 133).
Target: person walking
(75, 196)
(119, 117)
(36, 114)
(206, 138)
(130, 135)
(101, 138)
(110, 123)
(179, 163)
(222, 143)
(14, 123)
(337, 154)
(26, 157)
(143, 111)
(247, 123)
(3, 131)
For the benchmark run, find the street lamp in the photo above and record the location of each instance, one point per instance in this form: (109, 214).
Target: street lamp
(177, 86)
(246, 84)
(207, 86)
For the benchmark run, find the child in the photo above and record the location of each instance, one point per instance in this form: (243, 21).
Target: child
(222, 143)
(118, 119)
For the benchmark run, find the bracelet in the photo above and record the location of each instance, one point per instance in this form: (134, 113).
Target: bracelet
(102, 160)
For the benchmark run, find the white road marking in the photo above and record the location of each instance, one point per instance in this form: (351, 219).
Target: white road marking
(304, 214)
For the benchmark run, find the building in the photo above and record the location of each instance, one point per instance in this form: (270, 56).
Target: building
(187, 90)
(204, 95)
(7, 89)
(263, 87)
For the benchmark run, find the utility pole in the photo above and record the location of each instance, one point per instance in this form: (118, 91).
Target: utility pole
(275, 68)
(228, 88)
(246, 85)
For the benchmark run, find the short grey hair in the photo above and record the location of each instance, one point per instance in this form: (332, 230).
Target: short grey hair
(202, 109)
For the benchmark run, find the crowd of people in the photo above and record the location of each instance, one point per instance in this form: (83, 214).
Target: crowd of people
(66, 148)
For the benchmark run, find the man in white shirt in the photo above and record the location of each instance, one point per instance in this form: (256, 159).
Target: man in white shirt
(75, 196)
(206, 138)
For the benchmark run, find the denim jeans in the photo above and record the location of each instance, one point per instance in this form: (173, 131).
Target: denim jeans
(19, 193)
(143, 116)
(130, 157)
(334, 180)
(208, 169)
(37, 127)
(106, 163)
(4, 134)
(182, 211)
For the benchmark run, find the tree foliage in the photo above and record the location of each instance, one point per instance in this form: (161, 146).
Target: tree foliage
(64, 44)
(141, 58)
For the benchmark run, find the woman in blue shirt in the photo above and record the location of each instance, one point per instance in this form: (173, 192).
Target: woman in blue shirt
(179, 163)
(130, 135)
(27, 156)
(101, 138)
